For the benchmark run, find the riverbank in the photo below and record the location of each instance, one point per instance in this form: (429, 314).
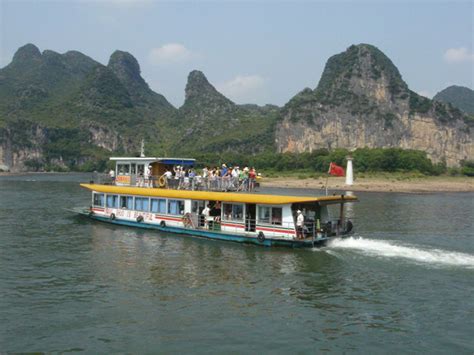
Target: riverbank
(386, 183)
(381, 182)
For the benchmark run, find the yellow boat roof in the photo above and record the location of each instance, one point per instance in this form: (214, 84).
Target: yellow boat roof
(216, 196)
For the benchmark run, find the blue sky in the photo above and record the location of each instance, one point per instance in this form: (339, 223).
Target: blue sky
(252, 51)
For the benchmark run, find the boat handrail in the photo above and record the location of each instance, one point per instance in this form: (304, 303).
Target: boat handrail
(310, 229)
(196, 183)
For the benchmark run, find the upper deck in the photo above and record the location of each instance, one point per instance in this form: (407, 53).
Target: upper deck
(131, 171)
(152, 176)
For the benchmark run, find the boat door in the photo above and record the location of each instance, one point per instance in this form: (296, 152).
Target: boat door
(250, 217)
(197, 207)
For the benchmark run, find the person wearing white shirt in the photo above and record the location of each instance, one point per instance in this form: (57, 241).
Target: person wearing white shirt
(206, 212)
(299, 225)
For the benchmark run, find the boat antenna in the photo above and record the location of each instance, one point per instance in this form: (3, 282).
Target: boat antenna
(142, 149)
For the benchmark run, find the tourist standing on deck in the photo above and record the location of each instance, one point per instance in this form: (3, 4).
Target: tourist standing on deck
(148, 176)
(252, 179)
(205, 177)
(168, 176)
(206, 212)
(299, 225)
(112, 175)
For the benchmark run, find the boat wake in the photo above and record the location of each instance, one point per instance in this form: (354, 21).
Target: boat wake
(386, 249)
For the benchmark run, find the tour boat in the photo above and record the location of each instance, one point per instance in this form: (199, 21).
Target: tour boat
(138, 194)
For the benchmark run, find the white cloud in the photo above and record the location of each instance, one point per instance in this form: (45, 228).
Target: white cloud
(457, 55)
(170, 53)
(242, 88)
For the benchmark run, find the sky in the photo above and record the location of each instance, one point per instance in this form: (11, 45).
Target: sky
(261, 52)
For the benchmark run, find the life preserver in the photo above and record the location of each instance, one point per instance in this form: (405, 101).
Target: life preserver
(112, 216)
(162, 181)
(187, 222)
(140, 219)
(261, 237)
(163, 224)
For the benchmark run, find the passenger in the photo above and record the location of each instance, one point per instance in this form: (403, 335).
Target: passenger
(213, 179)
(219, 178)
(192, 178)
(226, 180)
(112, 176)
(235, 177)
(179, 176)
(252, 179)
(149, 176)
(206, 212)
(186, 181)
(168, 176)
(140, 178)
(246, 179)
(299, 225)
(205, 177)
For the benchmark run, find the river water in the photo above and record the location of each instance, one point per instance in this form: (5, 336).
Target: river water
(403, 283)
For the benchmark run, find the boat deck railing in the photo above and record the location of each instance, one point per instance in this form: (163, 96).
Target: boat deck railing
(196, 183)
(311, 229)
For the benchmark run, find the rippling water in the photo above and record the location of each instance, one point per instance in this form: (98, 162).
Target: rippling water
(403, 282)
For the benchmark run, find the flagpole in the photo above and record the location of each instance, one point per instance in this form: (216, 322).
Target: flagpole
(327, 178)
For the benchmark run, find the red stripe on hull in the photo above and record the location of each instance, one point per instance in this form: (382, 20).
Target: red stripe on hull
(275, 230)
(169, 218)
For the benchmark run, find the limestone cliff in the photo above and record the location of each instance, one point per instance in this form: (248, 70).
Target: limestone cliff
(362, 101)
(68, 111)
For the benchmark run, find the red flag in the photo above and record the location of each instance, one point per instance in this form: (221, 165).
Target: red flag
(336, 170)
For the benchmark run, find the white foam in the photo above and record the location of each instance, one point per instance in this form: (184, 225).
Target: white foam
(388, 249)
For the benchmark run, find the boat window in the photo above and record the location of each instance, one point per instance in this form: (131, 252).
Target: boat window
(99, 200)
(264, 214)
(141, 203)
(233, 212)
(270, 215)
(176, 207)
(276, 215)
(158, 205)
(126, 202)
(197, 206)
(112, 201)
(123, 169)
(133, 168)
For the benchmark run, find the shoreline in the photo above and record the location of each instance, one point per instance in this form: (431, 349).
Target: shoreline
(383, 183)
(429, 184)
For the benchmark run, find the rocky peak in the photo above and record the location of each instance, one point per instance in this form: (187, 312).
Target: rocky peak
(360, 71)
(29, 52)
(458, 96)
(126, 68)
(200, 91)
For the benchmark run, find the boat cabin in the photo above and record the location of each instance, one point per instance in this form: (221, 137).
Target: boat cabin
(129, 170)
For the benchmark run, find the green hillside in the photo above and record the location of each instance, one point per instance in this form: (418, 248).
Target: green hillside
(458, 96)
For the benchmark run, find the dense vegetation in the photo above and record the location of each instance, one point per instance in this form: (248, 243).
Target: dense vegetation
(334, 86)
(365, 160)
(458, 96)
